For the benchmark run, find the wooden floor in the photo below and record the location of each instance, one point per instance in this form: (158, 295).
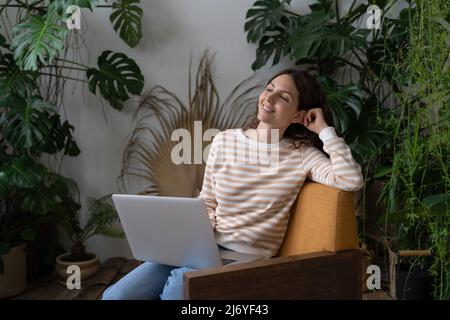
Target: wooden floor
(110, 272)
(49, 288)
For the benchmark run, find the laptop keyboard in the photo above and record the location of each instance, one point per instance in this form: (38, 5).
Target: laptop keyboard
(227, 261)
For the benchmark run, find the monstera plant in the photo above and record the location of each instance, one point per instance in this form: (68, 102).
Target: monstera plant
(332, 44)
(388, 91)
(36, 62)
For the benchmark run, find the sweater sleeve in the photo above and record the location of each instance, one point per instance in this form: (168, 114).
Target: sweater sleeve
(207, 194)
(340, 170)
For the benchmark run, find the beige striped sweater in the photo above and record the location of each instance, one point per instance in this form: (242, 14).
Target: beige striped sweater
(249, 186)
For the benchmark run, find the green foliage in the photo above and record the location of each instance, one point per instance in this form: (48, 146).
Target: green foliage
(341, 98)
(117, 77)
(32, 78)
(395, 116)
(26, 122)
(13, 80)
(127, 21)
(30, 194)
(61, 5)
(417, 189)
(19, 173)
(263, 17)
(316, 36)
(102, 217)
(280, 32)
(38, 39)
(2, 44)
(323, 41)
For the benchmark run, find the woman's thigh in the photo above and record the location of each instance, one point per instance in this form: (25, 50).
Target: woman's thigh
(143, 283)
(174, 287)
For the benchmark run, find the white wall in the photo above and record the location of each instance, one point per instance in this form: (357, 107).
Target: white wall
(173, 30)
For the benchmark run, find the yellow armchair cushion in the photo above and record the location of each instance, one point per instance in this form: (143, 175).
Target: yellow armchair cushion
(322, 219)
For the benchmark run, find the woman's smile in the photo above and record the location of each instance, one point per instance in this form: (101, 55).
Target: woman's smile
(267, 109)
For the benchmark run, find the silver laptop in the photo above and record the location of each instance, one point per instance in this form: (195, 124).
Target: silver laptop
(172, 231)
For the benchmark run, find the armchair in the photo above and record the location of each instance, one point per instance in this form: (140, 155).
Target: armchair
(319, 258)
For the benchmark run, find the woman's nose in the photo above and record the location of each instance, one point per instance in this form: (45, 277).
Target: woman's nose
(269, 97)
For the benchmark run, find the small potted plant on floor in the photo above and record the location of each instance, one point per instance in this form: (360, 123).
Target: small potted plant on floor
(101, 219)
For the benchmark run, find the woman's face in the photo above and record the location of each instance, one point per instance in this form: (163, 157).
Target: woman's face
(278, 103)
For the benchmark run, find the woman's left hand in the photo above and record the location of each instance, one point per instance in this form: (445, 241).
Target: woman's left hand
(312, 119)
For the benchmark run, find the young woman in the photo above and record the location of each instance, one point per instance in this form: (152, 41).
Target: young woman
(249, 201)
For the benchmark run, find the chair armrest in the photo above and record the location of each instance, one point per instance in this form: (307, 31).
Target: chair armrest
(322, 219)
(321, 275)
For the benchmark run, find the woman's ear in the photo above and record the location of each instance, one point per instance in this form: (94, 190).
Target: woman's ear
(298, 117)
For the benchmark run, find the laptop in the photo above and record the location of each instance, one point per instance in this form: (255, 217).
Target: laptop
(173, 231)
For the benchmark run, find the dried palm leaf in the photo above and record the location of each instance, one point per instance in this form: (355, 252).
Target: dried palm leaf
(147, 156)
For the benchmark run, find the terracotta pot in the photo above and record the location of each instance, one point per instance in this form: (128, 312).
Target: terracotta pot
(88, 268)
(14, 280)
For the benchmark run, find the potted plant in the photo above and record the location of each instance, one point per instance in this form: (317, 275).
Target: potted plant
(101, 219)
(399, 126)
(36, 62)
(417, 224)
(29, 195)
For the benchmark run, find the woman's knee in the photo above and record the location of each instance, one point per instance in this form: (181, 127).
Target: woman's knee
(174, 287)
(144, 282)
(111, 293)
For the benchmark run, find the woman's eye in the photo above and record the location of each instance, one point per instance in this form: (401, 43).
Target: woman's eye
(268, 89)
(284, 98)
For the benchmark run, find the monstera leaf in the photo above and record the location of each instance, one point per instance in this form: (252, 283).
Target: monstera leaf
(62, 5)
(276, 45)
(40, 199)
(315, 36)
(37, 39)
(117, 77)
(14, 80)
(127, 21)
(60, 138)
(26, 123)
(264, 15)
(345, 101)
(20, 173)
(2, 44)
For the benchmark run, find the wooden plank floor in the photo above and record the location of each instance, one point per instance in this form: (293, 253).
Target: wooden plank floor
(110, 272)
(49, 288)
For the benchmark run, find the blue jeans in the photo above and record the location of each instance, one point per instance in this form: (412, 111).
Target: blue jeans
(149, 281)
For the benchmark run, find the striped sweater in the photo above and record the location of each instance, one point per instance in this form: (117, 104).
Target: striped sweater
(249, 186)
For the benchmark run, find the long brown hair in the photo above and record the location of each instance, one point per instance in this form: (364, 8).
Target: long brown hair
(310, 96)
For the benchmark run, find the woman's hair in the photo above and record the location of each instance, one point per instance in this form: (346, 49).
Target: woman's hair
(310, 96)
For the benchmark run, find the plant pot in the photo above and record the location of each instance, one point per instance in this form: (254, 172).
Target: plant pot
(14, 280)
(408, 285)
(88, 267)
